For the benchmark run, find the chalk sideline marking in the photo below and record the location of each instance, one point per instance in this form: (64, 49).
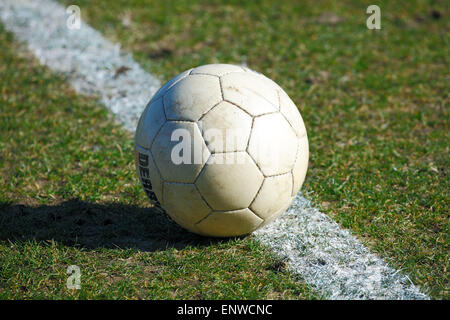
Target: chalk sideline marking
(315, 247)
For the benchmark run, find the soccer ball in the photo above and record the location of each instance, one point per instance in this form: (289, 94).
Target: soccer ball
(222, 149)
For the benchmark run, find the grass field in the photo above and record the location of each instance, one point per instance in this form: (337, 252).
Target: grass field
(375, 104)
(70, 196)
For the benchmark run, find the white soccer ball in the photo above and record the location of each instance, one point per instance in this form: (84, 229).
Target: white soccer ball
(223, 149)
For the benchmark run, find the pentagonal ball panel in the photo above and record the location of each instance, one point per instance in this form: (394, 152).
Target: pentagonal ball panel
(229, 181)
(179, 151)
(149, 175)
(184, 204)
(275, 193)
(301, 164)
(226, 128)
(229, 223)
(273, 144)
(151, 120)
(191, 97)
(248, 91)
(217, 69)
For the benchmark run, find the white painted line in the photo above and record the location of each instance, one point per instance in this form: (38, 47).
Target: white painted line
(322, 254)
(89, 61)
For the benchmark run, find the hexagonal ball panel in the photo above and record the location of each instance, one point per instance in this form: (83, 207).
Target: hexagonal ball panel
(182, 159)
(248, 91)
(278, 213)
(273, 144)
(191, 97)
(169, 84)
(269, 81)
(226, 128)
(229, 223)
(151, 120)
(291, 113)
(184, 204)
(275, 193)
(217, 69)
(229, 181)
(301, 165)
(148, 174)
